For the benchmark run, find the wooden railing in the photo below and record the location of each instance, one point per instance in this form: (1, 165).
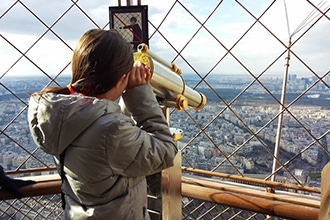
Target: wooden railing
(283, 204)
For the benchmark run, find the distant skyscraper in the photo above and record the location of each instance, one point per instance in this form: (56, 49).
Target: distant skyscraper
(292, 77)
(327, 79)
(314, 78)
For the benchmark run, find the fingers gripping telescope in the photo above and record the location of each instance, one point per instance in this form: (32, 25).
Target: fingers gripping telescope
(167, 82)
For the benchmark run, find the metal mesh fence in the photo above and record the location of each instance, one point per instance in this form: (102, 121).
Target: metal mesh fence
(267, 114)
(45, 207)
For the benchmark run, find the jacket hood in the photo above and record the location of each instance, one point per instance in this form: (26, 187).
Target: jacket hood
(55, 120)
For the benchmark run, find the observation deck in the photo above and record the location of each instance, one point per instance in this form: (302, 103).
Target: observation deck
(256, 149)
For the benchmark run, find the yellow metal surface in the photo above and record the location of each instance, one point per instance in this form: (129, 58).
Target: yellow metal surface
(181, 102)
(145, 59)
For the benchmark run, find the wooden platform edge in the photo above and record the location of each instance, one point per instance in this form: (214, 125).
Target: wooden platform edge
(243, 197)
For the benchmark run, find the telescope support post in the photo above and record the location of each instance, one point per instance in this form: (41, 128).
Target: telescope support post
(167, 204)
(171, 185)
(171, 191)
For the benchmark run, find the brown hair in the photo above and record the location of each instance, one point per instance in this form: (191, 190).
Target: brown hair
(100, 58)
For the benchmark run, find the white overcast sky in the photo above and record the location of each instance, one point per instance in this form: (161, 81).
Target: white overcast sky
(257, 50)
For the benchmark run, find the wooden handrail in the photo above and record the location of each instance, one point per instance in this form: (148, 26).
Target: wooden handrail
(253, 198)
(247, 197)
(45, 185)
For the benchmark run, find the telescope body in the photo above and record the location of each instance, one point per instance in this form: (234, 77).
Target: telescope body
(167, 82)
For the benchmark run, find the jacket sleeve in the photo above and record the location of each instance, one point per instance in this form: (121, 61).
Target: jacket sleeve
(146, 147)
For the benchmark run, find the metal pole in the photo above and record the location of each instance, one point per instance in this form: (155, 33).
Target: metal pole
(248, 180)
(280, 119)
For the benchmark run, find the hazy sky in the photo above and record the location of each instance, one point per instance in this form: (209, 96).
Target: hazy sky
(228, 22)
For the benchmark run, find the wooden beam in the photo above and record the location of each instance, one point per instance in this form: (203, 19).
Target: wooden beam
(252, 198)
(45, 185)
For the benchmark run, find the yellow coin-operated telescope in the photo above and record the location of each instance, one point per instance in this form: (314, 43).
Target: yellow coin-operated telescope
(167, 82)
(171, 91)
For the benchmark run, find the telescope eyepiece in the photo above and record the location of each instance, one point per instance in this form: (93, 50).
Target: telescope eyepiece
(142, 48)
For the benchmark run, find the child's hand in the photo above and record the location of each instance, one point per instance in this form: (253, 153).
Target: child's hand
(139, 75)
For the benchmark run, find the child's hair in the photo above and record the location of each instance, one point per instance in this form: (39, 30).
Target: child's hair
(100, 58)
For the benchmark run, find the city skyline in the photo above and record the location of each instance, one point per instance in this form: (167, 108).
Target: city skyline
(255, 115)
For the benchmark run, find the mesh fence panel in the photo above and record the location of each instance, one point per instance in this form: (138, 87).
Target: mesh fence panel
(267, 114)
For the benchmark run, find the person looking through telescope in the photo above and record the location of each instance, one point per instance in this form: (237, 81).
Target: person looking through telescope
(102, 154)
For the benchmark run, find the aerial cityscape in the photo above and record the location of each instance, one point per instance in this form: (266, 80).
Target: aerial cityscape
(243, 131)
(255, 125)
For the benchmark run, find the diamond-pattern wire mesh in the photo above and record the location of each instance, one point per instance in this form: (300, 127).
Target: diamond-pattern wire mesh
(194, 209)
(41, 207)
(246, 127)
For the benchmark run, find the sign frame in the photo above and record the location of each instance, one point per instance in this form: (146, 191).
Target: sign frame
(131, 22)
